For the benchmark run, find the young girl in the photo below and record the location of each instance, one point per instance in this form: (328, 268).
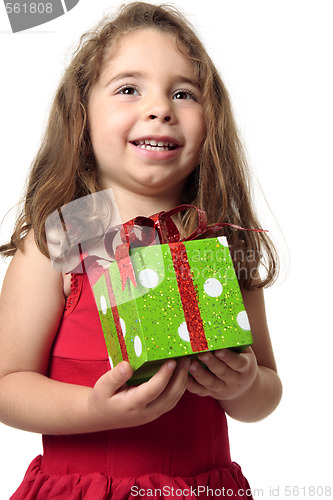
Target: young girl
(141, 109)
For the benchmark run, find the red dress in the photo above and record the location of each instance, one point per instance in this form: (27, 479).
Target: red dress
(183, 454)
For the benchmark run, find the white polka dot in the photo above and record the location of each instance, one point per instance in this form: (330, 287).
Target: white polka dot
(137, 346)
(148, 278)
(223, 240)
(122, 326)
(243, 320)
(213, 287)
(183, 332)
(103, 304)
(111, 362)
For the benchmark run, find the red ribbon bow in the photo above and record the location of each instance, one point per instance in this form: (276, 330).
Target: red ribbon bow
(162, 224)
(162, 230)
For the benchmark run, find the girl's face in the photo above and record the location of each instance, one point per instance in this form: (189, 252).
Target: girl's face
(146, 117)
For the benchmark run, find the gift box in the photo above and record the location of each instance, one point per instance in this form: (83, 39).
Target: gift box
(158, 296)
(181, 298)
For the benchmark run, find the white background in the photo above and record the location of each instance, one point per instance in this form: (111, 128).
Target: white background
(276, 60)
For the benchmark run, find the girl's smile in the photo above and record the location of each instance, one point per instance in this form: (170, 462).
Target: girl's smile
(146, 117)
(157, 147)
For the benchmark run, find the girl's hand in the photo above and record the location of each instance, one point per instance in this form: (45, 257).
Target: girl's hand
(112, 404)
(229, 373)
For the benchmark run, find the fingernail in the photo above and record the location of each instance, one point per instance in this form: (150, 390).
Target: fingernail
(171, 364)
(204, 357)
(220, 354)
(193, 366)
(123, 368)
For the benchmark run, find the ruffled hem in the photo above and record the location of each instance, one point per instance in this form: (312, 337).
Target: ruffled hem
(223, 483)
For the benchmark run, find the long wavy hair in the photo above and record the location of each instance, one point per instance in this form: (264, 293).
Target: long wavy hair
(65, 168)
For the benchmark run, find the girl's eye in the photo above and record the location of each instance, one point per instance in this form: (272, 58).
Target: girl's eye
(184, 94)
(127, 90)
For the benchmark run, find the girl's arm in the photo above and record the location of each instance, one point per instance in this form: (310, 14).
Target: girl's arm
(246, 384)
(31, 307)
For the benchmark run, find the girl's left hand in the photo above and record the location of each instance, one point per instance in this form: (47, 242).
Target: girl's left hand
(229, 373)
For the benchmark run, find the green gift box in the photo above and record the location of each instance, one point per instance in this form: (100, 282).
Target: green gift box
(185, 299)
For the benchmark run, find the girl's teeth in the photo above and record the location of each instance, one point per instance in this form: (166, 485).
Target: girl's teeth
(151, 144)
(154, 148)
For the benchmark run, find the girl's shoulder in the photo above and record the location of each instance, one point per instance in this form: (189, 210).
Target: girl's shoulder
(30, 267)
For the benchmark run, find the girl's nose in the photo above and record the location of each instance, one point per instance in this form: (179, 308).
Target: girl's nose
(167, 118)
(160, 109)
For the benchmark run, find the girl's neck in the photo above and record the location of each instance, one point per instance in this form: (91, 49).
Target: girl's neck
(131, 205)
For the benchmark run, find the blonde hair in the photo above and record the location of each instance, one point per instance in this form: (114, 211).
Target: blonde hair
(65, 167)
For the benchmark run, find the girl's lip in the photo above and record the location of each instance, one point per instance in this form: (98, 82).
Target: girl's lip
(156, 155)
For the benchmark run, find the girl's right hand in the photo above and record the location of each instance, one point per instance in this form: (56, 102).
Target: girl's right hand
(112, 404)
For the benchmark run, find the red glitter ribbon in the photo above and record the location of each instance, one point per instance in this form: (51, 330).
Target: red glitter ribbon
(188, 297)
(183, 273)
(116, 317)
(123, 259)
(129, 239)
